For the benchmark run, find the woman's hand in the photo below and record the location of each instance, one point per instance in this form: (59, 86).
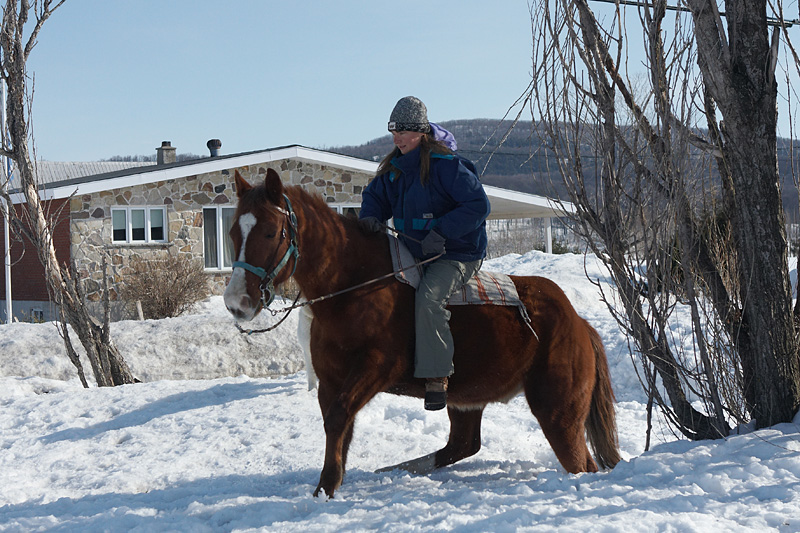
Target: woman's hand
(371, 224)
(433, 243)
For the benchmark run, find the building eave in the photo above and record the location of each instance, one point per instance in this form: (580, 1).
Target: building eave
(514, 204)
(155, 173)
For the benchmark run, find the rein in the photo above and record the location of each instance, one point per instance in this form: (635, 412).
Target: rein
(295, 304)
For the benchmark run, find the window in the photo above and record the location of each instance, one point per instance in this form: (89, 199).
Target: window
(138, 224)
(347, 210)
(217, 244)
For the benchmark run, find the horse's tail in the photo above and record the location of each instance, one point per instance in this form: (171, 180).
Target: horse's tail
(601, 424)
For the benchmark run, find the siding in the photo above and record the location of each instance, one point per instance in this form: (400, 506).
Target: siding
(27, 273)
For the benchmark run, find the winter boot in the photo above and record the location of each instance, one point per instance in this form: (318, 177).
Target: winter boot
(435, 393)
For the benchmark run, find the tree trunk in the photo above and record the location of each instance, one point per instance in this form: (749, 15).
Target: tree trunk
(107, 363)
(740, 77)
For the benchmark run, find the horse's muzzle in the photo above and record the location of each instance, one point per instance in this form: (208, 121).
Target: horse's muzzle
(241, 307)
(238, 301)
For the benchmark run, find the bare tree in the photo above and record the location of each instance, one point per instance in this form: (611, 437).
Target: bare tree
(683, 208)
(18, 38)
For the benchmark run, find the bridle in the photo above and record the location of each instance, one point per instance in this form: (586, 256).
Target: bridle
(267, 286)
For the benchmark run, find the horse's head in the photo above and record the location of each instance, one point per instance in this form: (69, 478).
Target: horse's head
(265, 245)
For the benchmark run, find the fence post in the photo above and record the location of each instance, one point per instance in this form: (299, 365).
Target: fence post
(548, 239)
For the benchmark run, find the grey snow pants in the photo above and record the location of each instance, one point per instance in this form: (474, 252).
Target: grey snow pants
(434, 344)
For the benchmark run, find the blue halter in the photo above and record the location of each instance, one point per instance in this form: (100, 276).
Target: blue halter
(267, 279)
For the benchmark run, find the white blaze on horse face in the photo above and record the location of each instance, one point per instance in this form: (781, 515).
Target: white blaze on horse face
(246, 224)
(236, 298)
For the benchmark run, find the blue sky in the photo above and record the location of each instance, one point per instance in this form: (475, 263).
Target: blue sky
(118, 77)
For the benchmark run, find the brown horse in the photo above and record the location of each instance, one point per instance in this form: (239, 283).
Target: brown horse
(362, 341)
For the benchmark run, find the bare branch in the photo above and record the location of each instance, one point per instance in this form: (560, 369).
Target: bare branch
(44, 10)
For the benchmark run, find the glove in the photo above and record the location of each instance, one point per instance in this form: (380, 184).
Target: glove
(371, 224)
(433, 243)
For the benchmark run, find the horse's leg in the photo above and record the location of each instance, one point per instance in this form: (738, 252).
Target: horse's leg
(339, 410)
(561, 411)
(464, 441)
(348, 435)
(569, 444)
(348, 438)
(465, 436)
(325, 397)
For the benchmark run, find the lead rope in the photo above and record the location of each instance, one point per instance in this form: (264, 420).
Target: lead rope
(296, 305)
(273, 313)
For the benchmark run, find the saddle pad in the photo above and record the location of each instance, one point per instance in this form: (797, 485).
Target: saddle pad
(483, 288)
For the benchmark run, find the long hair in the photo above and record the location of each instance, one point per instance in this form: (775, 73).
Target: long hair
(427, 146)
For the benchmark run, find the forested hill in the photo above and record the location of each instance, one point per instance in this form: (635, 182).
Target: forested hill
(521, 163)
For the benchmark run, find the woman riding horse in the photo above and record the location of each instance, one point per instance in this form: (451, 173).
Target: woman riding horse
(440, 209)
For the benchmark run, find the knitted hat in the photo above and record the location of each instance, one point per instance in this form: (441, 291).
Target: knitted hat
(409, 114)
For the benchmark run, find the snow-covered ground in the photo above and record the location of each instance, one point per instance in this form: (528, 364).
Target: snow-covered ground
(224, 435)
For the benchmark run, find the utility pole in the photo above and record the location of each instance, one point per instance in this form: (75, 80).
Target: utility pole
(6, 164)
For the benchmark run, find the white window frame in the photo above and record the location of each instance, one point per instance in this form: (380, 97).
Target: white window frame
(148, 210)
(220, 237)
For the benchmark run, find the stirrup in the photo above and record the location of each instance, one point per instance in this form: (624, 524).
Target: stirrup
(435, 394)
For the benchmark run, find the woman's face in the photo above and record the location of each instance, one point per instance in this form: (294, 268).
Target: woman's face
(406, 141)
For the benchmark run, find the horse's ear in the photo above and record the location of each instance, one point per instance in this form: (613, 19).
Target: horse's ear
(274, 187)
(241, 185)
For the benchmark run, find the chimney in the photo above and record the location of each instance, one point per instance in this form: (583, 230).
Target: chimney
(165, 154)
(214, 145)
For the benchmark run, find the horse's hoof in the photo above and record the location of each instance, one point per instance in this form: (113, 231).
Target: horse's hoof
(328, 493)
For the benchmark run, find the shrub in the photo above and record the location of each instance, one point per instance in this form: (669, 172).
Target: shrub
(165, 287)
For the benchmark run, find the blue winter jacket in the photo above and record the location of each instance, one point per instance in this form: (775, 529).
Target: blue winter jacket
(453, 202)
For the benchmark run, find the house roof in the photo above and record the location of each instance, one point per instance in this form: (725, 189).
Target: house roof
(62, 180)
(126, 177)
(51, 172)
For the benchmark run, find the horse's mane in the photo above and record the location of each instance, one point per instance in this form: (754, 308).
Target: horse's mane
(254, 200)
(311, 199)
(315, 203)
(258, 199)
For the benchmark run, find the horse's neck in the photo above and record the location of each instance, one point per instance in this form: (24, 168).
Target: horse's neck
(332, 256)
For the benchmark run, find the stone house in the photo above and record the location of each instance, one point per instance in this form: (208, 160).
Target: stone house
(170, 208)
